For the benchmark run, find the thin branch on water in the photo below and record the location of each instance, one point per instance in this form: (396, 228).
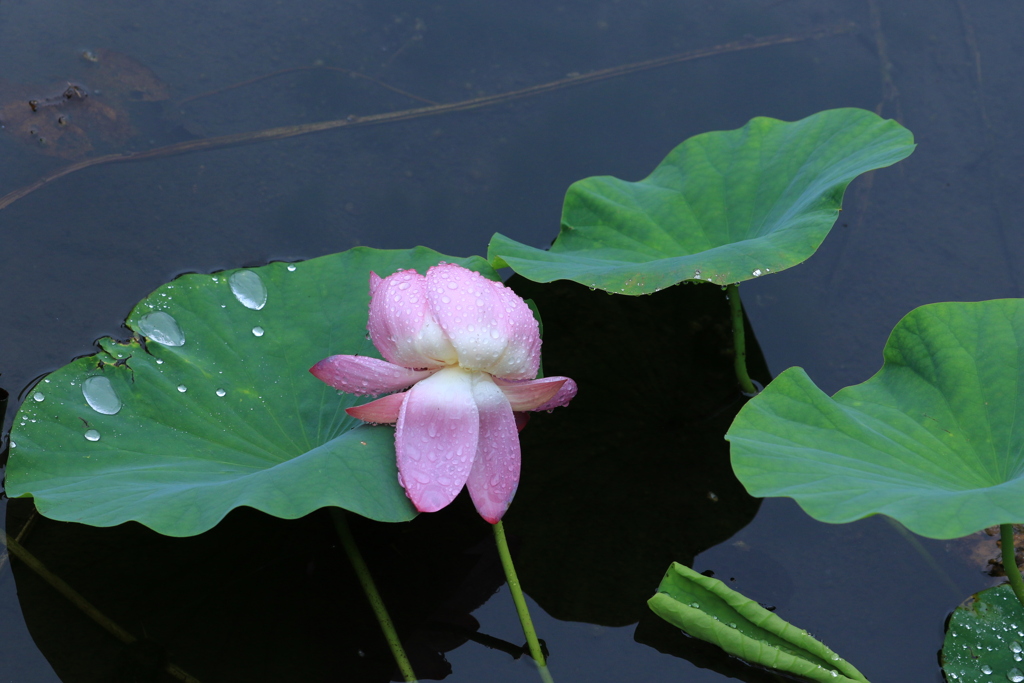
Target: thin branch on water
(269, 134)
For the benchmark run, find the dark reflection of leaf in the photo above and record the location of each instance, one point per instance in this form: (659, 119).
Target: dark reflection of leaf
(257, 598)
(666, 638)
(635, 473)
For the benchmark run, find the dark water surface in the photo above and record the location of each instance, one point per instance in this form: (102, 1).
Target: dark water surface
(259, 599)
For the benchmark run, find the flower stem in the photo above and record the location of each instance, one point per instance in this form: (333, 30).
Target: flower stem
(520, 600)
(739, 344)
(1010, 561)
(381, 612)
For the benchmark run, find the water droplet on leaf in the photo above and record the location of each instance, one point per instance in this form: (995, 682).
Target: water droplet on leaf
(182, 388)
(92, 435)
(162, 328)
(257, 331)
(38, 397)
(248, 288)
(100, 395)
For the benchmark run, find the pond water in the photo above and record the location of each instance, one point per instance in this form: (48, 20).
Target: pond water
(261, 599)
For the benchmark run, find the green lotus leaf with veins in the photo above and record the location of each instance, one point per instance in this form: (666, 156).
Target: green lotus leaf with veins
(723, 207)
(935, 439)
(211, 406)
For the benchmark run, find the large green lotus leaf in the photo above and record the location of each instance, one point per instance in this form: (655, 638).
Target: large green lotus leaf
(984, 639)
(723, 207)
(935, 439)
(212, 407)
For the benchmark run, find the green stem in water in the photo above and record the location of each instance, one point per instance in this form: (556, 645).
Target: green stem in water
(520, 600)
(1010, 561)
(739, 344)
(381, 612)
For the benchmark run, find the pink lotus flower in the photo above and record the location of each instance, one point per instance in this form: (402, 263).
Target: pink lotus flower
(469, 348)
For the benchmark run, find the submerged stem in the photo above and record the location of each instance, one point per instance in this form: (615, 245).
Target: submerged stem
(520, 601)
(732, 292)
(366, 581)
(1010, 561)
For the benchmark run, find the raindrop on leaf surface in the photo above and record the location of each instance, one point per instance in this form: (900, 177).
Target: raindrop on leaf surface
(100, 395)
(162, 328)
(248, 288)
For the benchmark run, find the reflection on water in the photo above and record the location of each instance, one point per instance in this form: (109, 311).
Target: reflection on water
(78, 253)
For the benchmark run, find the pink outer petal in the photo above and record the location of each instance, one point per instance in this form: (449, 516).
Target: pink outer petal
(490, 327)
(522, 354)
(565, 394)
(436, 438)
(495, 475)
(530, 394)
(401, 324)
(362, 375)
(382, 411)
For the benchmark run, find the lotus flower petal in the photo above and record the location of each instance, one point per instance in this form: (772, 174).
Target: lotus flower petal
(495, 475)
(362, 375)
(382, 411)
(481, 318)
(436, 438)
(401, 323)
(521, 358)
(565, 394)
(531, 394)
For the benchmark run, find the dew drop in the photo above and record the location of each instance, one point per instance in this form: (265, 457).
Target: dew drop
(1015, 675)
(291, 267)
(182, 388)
(257, 331)
(38, 397)
(695, 605)
(986, 669)
(92, 435)
(221, 393)
(161, 328)
(100, 395)
(757, 273)
(159, 361)
(1015, 647)
(248, 288)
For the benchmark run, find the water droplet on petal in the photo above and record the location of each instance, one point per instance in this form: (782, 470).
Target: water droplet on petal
(92, 435)
(162, 328)
(182, 388)
(38, 397)
(248, 288)
(221, 393)
(100, 395)
(257, 331)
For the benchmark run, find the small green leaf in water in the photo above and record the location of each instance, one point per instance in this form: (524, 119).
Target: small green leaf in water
(723, 207)
(707, 609)
(985, 639)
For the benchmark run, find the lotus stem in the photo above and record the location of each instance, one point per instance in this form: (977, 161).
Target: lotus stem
(1010, 561)
(520, 600)
(739, 344)
(370, 589)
